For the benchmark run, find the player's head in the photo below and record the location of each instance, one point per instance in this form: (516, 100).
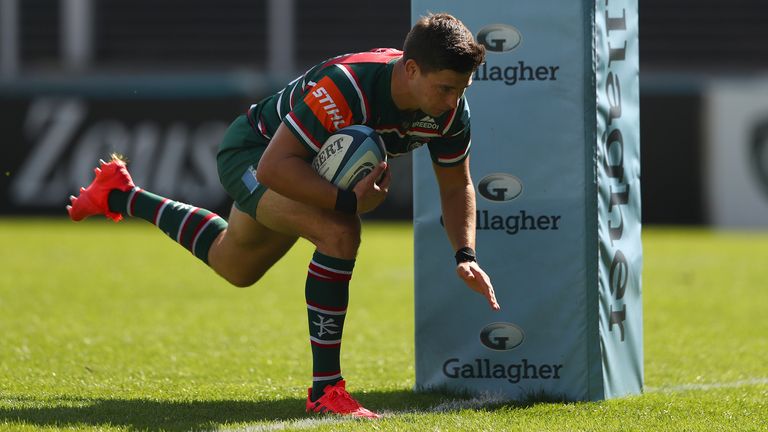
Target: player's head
(441, 41)
(440, 55)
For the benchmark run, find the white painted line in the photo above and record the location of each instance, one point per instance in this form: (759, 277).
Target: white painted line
(479, 401)
(306, 423)
(474, 403)
(707, 386)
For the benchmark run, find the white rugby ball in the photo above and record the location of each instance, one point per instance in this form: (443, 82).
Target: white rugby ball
(349, 155)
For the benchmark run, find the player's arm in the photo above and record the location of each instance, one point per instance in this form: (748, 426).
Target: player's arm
(285, 168)
(457, 197)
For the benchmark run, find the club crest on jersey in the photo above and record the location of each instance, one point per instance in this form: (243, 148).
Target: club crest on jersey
(416, 142)
(329, 105)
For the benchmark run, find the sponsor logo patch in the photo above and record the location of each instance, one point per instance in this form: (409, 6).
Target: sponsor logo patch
(484, 368)
(249, 179)
(329, 105)
(501, 336)
(500, 187)
(499, 37)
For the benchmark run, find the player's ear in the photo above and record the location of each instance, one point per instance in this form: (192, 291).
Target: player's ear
(411, 68)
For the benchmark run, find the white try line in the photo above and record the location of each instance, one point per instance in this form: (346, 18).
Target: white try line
(707, 386)
(474, 403)
(495, 399)
(310, 423)
(307, 423)
(461, 404)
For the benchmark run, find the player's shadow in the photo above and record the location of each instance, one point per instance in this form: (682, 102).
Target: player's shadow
(141, 414)
(151, 415)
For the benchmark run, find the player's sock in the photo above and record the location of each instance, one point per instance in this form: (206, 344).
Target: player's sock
(192, 227)
(327, 295)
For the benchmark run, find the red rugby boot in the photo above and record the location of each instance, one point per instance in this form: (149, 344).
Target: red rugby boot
(336, 400)
(93, 199)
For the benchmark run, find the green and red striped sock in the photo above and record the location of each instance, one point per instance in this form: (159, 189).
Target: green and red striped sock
(327, 296)
(192, 227)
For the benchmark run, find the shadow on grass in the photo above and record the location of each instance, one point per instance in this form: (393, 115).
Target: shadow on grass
(157, 415)
(152, 415)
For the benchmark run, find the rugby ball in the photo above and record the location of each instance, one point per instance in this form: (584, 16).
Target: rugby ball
(349, 155)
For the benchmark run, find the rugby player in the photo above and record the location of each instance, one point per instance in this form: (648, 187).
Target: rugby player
(412, 97)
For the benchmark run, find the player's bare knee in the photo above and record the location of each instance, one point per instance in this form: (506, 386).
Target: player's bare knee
(242, 276)
(240, 283)
(344, 245)
(243, 280)
(340, 238)
(236, 279)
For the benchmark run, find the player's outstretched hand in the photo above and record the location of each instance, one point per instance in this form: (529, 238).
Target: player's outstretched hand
(370, 191)
(478, 280)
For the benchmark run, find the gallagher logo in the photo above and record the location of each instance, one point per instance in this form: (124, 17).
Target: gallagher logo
(501, 336)
(500, 187)
(499, 37)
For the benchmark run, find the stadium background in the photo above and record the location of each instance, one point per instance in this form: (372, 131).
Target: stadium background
(160, 81)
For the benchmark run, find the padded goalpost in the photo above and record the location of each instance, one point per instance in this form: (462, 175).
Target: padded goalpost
(556, 164)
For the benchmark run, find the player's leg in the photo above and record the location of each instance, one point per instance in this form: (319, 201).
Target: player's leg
(113, 194)
(333, 233)
(241, 250)
(247, 249)
(337, 238)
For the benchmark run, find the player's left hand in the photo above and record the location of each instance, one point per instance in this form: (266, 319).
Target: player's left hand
(373, 188)
(477, 280)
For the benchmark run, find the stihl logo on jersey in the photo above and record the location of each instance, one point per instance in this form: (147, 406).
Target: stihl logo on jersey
(329, 106)
(426, 123)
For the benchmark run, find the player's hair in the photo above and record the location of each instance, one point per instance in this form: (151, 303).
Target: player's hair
(440, 41)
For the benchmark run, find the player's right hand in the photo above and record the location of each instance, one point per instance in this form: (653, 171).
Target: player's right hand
(371, 192)
(477, 280)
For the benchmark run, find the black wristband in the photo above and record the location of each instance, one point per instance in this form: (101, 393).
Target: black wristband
(465, 254)
(346, 202)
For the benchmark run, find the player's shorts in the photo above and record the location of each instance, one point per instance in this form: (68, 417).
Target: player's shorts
(239, 154)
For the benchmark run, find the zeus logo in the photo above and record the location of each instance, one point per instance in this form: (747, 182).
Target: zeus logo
(501, 336)
(500, 187)
(499, 37)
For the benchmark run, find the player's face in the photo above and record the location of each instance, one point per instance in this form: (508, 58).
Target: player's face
(440, 91)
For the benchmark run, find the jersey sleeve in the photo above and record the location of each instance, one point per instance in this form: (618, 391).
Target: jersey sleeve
(327, 101)
(453, 147)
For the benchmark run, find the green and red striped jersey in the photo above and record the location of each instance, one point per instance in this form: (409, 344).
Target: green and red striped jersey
(356, 89)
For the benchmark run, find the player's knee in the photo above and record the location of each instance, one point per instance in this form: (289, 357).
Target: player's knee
(239, 281)
(243, 278)
(341, 238)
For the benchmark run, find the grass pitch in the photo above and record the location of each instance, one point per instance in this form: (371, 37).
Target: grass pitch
(115, 327)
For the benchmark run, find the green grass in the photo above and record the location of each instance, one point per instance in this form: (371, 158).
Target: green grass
(149, 339)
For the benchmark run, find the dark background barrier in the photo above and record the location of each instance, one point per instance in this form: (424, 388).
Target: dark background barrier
(53, 142)
(161, 79)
